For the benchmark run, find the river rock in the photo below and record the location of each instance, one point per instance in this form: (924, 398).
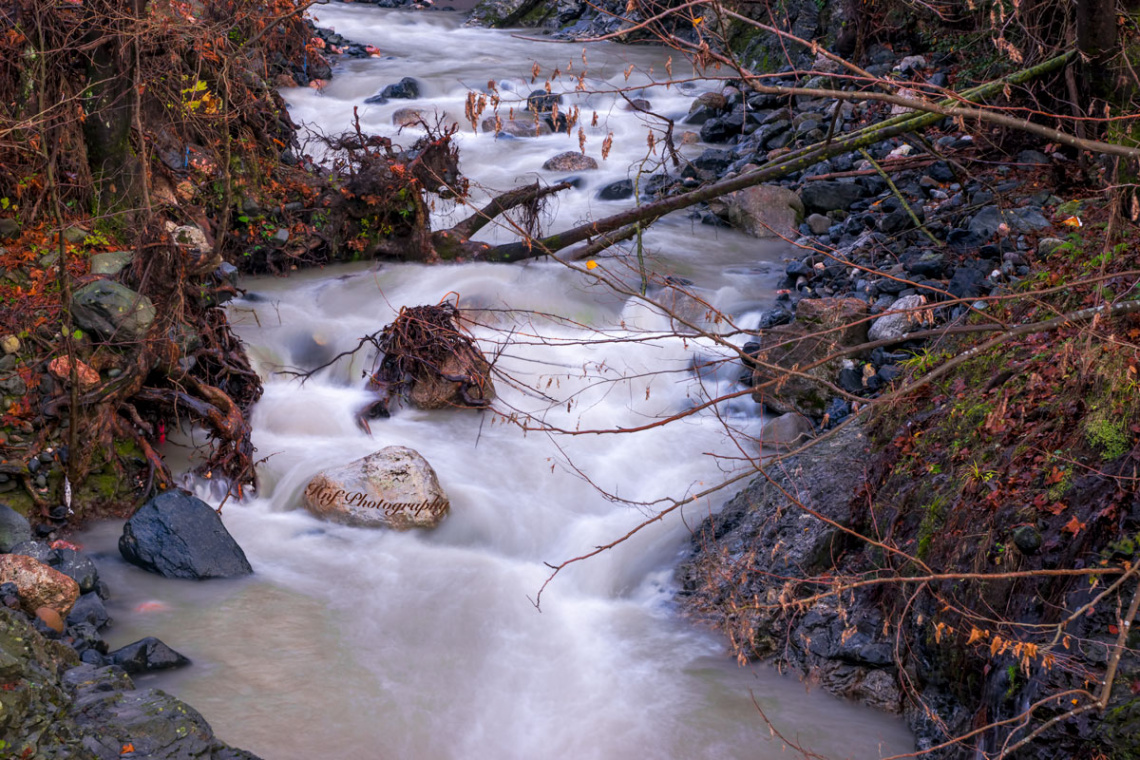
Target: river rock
(786, 431)
(570, 161)
(829, 195)
(14, 528)
(112, 311)
(9, 228)
(177, 535)
(50, 618)
(822, 328)
(406, 117)
(895, 325)
(524, 125)
(110, 262)
(38, 585)
(394, 488)
(987, 222)
(147, 655)
(541, 101)
(10, 344)
(616, 191)
(79, 567)
(90, 610)
(818, 224)
(406, 89)
(763, 211)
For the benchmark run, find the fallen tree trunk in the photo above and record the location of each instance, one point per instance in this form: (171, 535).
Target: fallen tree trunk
(791, 163)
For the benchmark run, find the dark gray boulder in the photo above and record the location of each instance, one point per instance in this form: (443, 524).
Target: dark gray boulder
(89, 610)
(616, 191)
(146, 655)
(177, 535)
(406, 89)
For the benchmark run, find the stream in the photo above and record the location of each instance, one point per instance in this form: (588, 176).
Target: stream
(350, 642)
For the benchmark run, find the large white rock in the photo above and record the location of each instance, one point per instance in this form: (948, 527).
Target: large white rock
(905, 315)
(394, 488)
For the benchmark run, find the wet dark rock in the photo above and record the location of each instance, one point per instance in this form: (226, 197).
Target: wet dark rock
(828, 195)
(714, 161)
(851, 380)
(375, 100)
(700, 115)
(78, 567)
(616, 191)
(37, 550)
(798, 269)
(929, 265)
(777, 315)
(899, 220)
(89, 610)
(1027, 539)
(147, 655)
(406, 89)
(109, 712)
(177, 535)
(963, 239)
(14, 528)
(718, 130)
(966, 283)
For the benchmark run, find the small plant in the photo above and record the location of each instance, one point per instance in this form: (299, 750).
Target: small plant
(923, 362)
(978, 474)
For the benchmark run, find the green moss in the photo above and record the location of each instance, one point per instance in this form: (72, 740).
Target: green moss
(1107, 436)
(125, 448)
(933, 519)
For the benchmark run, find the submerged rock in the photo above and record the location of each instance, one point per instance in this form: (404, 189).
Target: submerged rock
(526, 125)
(177, 535)
(391, 488)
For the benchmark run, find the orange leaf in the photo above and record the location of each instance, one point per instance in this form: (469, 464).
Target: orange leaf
(1074, 526)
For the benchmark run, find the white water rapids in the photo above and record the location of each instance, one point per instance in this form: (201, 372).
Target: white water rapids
(358, 643)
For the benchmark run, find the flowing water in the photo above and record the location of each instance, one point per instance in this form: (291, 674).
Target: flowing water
(358, 643)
